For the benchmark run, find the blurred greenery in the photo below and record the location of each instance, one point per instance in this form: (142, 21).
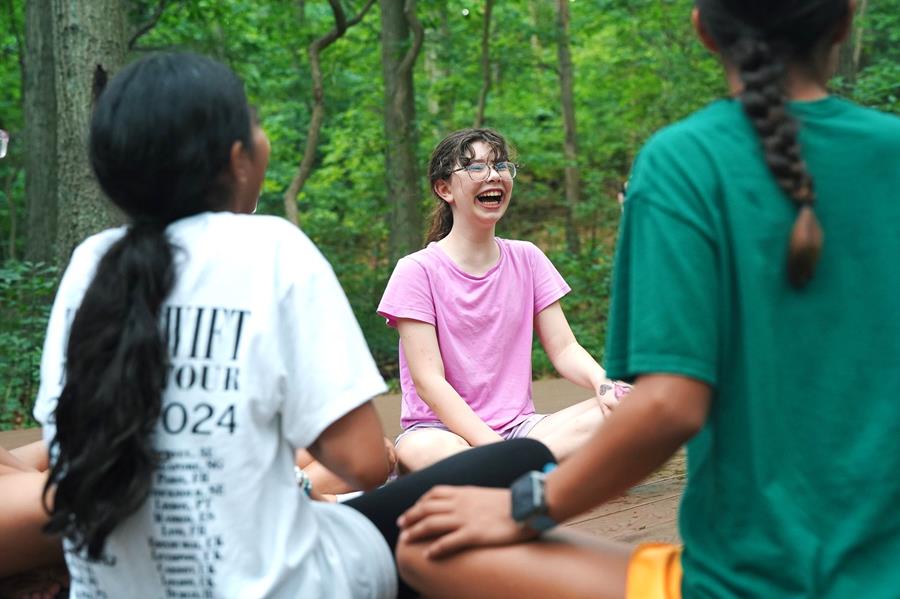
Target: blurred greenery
(26, 290)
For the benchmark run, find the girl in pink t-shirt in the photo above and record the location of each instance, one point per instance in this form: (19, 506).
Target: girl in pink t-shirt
(466, 307)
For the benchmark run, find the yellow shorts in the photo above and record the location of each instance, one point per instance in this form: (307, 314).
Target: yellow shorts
(654, 572)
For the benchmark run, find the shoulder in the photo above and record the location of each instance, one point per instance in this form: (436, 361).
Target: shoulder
(526, 254)
(89, 252)
(427, 256)
(253, 236)
(421, 262)
(866, 114)
(100, 242)
(684, 139)
(520, 248)
(880, 130)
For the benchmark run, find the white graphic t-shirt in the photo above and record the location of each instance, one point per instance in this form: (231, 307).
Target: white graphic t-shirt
(265, 354)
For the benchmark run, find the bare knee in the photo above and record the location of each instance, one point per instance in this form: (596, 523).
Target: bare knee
(590, 421)
(564, 433)
(420, 449)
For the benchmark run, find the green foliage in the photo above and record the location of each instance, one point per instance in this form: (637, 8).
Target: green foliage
(878, 81)
(26, 293)
(589, 274)
(12, 177)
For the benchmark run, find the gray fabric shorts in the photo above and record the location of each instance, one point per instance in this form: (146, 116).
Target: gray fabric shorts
(516, 431)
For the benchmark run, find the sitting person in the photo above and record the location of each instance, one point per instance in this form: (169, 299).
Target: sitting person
(189, 355)
(328, 486)
(466, 308)
(774, 354)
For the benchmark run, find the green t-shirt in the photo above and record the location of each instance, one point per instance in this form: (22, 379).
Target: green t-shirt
(794, 483)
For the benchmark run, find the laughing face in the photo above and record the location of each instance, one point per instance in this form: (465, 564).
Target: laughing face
(479, 190)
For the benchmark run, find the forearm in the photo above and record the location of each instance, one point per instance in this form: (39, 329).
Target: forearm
(10, 463)
(455, 413)
(638, 438)
(575, 364)
(34, 455)
(353, 449)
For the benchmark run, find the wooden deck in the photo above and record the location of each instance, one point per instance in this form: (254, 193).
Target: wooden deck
(646, 513)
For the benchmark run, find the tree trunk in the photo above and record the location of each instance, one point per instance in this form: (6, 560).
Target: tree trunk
(399, 54)
(438, 60)
(570, 146)
(39, 94)
(89, 40)
(485, 63)
(341, 24)
(851, 50)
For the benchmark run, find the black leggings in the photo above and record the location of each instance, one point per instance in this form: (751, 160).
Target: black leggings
(494, 465)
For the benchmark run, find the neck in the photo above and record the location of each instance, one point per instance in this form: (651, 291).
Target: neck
(799, 84)
(473, 251)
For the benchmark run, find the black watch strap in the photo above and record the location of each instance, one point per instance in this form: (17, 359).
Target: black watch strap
(529, 502)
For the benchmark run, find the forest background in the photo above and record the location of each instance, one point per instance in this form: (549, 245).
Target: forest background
(353, 95)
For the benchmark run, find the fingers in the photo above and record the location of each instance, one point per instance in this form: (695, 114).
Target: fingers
(432, 526)
(435, 500)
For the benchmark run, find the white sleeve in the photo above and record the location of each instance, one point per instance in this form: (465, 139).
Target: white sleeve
(329, 370)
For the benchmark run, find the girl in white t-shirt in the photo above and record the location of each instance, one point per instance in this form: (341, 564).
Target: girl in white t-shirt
(188, 356)
(466, 307)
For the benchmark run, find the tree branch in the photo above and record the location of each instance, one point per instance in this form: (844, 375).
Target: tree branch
(409, 59)
(409, 9)
(148, 25)
(341, 24)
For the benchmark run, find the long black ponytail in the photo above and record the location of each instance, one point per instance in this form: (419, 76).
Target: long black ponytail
(160, 143)
(762, 38)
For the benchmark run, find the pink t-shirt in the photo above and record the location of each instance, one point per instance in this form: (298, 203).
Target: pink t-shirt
(484, 326)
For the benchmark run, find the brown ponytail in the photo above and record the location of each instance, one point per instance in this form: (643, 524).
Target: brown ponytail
(441, 222)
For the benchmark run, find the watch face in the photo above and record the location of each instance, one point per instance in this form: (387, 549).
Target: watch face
(528, 496)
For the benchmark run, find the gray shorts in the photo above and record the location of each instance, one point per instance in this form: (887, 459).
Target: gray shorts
(516, 431)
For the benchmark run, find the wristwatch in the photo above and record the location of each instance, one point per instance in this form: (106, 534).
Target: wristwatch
(529, 503)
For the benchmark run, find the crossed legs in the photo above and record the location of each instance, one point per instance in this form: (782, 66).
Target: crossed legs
(563, 432)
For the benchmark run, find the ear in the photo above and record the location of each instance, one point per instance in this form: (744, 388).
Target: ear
(704, 36)
(443, 190)
(239, 163)
(846, 25)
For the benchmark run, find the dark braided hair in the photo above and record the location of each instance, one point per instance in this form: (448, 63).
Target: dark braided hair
(160, 145)
(762, 38)
(452, 152)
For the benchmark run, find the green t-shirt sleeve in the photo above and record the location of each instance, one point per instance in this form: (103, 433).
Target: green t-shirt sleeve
(665, 302)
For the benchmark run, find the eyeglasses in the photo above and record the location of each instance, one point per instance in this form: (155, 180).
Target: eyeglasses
(479, 171)
(4, 141)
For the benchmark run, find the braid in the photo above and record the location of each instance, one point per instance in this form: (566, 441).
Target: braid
(116, 363)
(763, 98)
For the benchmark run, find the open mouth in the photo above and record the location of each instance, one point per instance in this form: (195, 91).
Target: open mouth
(492, 198)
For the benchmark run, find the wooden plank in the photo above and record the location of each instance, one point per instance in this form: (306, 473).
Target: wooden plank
(17, 438)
